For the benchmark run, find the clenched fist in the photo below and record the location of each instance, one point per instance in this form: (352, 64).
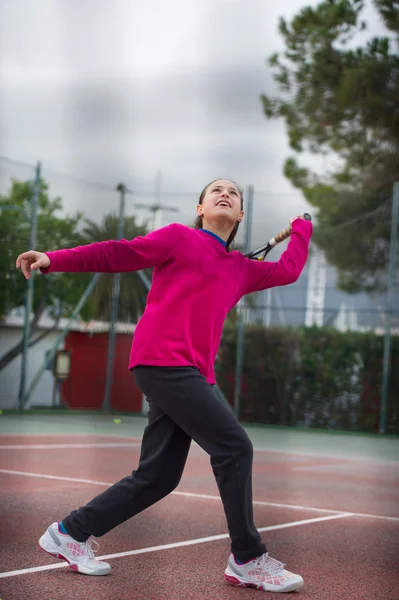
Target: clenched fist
(32, 260)
(305, 217)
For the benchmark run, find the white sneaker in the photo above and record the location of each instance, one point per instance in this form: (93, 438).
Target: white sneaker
(264, 573)
(79, 555)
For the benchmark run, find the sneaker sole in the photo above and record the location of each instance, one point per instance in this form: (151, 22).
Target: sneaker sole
(264, 587)
(52, 550)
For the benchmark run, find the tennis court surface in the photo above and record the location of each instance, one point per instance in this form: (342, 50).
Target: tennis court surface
(327, 505)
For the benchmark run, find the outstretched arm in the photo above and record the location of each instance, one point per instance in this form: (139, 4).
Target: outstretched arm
(261, 275)
(113, 256)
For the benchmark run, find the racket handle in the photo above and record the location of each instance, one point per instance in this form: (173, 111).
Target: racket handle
(285, 233)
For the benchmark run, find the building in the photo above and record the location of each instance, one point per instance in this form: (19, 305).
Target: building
(315, 299)
(88, 345)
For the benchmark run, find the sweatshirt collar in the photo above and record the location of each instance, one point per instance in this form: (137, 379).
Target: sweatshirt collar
(219, 239)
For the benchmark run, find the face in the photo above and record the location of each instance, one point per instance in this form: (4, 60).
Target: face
(221, 202)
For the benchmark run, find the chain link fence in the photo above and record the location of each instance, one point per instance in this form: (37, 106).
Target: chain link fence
(308, 354)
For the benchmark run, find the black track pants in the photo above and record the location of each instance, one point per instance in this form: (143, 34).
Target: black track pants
(183, 406)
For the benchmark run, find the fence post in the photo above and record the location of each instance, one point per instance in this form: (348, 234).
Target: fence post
(50, 356)
(240, 306)
(390, 294)
(29, 288)
(115, 304)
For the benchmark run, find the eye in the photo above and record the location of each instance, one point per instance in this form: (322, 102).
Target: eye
(233, 192)
(216, 189)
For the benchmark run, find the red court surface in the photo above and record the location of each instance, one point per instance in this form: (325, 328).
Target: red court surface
(333, 520)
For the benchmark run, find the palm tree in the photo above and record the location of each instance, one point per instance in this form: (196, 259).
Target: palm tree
(133, 293)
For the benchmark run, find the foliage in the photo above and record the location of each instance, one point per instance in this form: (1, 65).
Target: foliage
(59, 293)
(54, 231)
(133, 293)
(312, 377)
(340, 99)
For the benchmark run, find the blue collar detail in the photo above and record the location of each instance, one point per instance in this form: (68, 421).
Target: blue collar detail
(219, 239)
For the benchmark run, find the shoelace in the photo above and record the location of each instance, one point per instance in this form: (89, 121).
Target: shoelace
(91, 547)
(272, 565)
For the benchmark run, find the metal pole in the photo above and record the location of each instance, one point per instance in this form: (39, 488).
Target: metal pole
(147, 285)
(115, 302)
(158, 185)
(390, 293)
(157, 223)
(268, 307)
(29, 288)
(248, 218)
(145, 280)
(240, 306)
(157, 219)
(50, 356)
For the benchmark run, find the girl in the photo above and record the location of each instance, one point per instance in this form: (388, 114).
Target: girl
(196, 280)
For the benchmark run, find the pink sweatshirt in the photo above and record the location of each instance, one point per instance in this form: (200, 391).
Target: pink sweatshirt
(195, 283)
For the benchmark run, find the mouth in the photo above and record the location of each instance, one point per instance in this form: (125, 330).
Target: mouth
(223, 203)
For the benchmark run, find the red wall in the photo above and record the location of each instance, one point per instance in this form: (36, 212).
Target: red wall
(86, 385)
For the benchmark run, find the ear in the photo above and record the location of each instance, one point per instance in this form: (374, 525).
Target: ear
(199, 210)
(240, 218)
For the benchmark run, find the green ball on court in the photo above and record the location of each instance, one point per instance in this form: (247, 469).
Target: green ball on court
(117, 421)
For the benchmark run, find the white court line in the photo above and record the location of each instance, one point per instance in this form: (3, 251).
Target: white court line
(56, 477)
(263, 503)
(70, 446)
(294, 506)
(83, 445)
(297, 453)
(212, 538)
(71, 435)
(206, 496)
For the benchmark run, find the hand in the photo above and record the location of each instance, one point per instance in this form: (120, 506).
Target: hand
(294, 218)
(32, 260)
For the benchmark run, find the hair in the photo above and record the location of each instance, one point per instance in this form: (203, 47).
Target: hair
(198, 220)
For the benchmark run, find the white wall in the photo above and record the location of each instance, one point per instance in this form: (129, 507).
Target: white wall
(10, 376)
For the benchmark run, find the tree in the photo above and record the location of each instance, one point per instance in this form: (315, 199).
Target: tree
(339, 98)
(133, 293)
(59, 293)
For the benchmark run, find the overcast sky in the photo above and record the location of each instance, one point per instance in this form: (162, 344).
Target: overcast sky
(115, 90)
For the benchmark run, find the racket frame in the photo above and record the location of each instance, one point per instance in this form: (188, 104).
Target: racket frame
(262, 251)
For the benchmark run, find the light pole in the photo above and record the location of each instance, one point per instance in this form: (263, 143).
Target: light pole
(122, 189)
(29, 289)
(386, 365)
(240, 311)
(157, 207)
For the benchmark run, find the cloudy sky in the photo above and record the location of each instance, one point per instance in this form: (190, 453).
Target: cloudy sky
(118, 90)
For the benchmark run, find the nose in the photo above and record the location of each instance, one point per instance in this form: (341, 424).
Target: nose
(225, 193)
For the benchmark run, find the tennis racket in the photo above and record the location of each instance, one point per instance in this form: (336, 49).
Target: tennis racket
(261, 252)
